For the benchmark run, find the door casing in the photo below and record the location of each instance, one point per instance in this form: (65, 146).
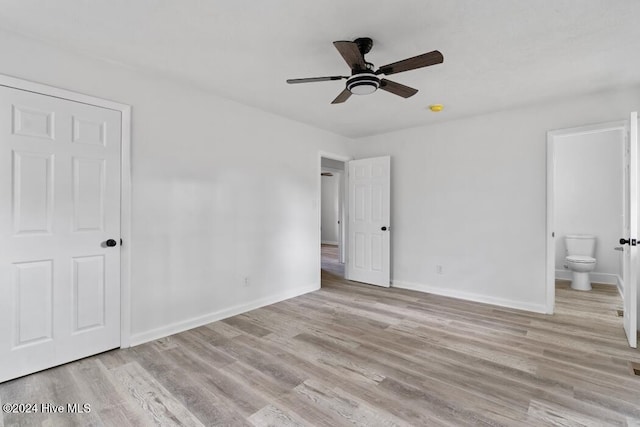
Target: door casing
(125, 185)
(550, 228)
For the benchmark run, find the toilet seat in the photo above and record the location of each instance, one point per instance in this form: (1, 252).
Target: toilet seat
(581, 259)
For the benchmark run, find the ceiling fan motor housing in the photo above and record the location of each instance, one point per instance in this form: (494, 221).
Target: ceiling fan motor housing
(363, 83)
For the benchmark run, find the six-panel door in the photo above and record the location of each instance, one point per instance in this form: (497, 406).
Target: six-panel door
(369, 217)
(59, 203)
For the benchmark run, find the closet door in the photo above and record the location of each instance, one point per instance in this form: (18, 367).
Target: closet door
(60, 231)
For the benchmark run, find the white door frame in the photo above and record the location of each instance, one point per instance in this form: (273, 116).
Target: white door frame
(551, 246)
(345, 240)
(125, 185)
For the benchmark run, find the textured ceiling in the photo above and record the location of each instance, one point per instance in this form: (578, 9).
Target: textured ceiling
(498, 54)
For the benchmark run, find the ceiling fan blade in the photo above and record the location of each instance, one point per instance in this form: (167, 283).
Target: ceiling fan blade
(315, 79)
(351, 54)
(397, 88)
(424, 60)
(344, 95)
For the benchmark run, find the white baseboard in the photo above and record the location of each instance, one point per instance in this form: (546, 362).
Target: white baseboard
(329, 242)
(604, 278)
(486, 299)
(194, 322)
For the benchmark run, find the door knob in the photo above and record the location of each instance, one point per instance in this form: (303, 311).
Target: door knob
(111, 243)
(624, 241)
(383, 228)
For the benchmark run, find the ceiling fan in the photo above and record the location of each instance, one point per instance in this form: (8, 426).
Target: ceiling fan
(364, 80)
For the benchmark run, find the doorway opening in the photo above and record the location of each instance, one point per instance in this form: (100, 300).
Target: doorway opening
(363, 203)
(332, 218)
(587, 202)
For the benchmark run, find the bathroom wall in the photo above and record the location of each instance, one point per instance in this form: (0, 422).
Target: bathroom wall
(588, 197)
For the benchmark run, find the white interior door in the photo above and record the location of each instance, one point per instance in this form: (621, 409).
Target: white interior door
(369, 220)
(630, 268)
(59, 204)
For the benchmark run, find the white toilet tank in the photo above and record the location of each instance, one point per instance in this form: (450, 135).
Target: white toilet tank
(581, 244)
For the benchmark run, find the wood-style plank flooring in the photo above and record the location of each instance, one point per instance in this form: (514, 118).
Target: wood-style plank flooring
(353, 354)
(331, 268)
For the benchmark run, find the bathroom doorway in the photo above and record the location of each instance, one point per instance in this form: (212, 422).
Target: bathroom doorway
(588, 194)
(588, 201)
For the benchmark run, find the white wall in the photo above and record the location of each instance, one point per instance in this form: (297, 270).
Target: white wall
(470, 195)
(588, 197)
(221, 191)
(330, 214)
(215, 200)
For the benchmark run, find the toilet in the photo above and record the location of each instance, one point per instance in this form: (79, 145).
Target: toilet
(581, 249)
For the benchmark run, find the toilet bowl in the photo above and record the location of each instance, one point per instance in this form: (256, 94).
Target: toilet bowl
(581, 266)
(580, 259)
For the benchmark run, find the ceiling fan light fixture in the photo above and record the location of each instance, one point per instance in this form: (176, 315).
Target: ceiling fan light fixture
(364, 80)
(363, 84)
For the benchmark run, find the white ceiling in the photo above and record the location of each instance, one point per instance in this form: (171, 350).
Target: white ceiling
(498, 54)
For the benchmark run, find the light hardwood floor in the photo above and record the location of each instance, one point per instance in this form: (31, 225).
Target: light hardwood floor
(330, 266)
(353, 354)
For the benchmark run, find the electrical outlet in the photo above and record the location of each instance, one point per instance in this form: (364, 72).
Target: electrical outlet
(439, 269)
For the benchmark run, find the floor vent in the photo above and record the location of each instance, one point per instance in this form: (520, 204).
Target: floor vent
(620, 313)
(635, 368)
